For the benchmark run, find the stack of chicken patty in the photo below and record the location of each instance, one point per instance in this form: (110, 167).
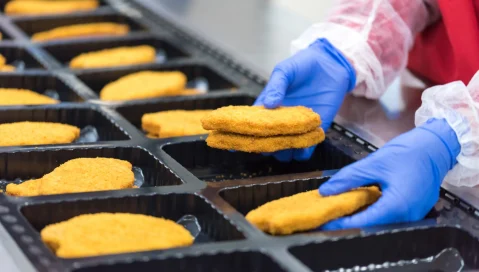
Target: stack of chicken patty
(255, 129)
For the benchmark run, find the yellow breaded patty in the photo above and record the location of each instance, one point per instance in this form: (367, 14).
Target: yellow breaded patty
(145, 84)
(309, 210)
(23, 97)
(259, 121)
(7, 68)
(175, 123)
(3, 61)
(253, 144)
(33, 7)
(26, 188)
(113, 233)
(120, 56)
(37, 133)
(79, 175)
(187, 92)
(82, 30)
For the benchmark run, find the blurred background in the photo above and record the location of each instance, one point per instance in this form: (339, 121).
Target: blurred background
(256, 32)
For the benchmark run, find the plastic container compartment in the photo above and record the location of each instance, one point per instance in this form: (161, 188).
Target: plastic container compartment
(214, 226)
(19, 57)
(370, 253)
(219, 262)
(25, 165)
(5, 35)
(212, 165)
(41, 82)
(65, 51)
(199, 76)
(35, 24)
(77, 115)
(135, 110)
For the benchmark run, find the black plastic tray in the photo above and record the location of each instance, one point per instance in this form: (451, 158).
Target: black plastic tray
(182, 175)
(19, 56)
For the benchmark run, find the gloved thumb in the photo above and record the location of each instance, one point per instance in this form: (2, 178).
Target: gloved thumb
(350, 177)
(275, 90)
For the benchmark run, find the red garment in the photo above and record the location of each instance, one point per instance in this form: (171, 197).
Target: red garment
(449, 49)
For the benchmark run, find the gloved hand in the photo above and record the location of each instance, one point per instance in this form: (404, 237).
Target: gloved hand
(317, 77)
(409, 169)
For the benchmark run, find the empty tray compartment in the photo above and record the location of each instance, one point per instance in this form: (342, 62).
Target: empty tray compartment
(214, 226)
(32, 25)
(5, 35)
(19, 57)
(133, 112)
(219, 262)
(41, 82)
(80, 116)
(367, 253)
(210, 164)
(20, 166)
(199, 76)
(65, 51)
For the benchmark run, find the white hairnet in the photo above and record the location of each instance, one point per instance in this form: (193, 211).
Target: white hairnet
(457, 104)
(375, 35)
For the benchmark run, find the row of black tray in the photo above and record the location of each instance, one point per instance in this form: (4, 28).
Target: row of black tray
(182, 176)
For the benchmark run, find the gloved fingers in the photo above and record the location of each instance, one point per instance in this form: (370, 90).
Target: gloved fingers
(350, 177)
(259, 100)
(303, 154)
(384, 211)
(284, 155)
(276, 89)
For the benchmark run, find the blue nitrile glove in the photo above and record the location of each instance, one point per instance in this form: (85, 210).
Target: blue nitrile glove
(317, 77)
(409, 169)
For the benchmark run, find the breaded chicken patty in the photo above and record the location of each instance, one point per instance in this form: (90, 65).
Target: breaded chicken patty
(145, 84)
(82, 30)
(259, 121)
(253, 144)
(79, 175)
(309, 210)
(175, 123)
(10, 96)
(37, 133)
(34, 7)
(113, 233)
(112, 57)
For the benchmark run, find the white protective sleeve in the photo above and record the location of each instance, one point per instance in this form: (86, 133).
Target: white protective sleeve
(375, 35)
(457, 104)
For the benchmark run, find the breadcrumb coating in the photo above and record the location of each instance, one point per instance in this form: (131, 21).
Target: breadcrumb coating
(175, 123)
(79, 175)
(113, 233)
(145, 84)
(309, 210)
(113, 57)
(82, 30)
(37, 133)
(259, 121)
(253, 144)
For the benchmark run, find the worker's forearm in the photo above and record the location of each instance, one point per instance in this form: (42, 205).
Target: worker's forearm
(389, 28)
(375, 35)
